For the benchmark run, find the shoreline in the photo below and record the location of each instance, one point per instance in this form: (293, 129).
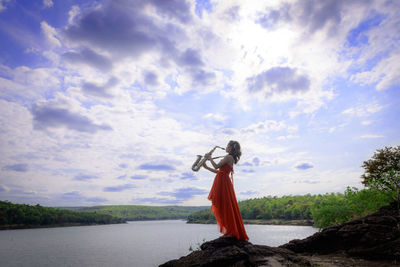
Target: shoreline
(265, 222)
(24, 226)
(246, 221)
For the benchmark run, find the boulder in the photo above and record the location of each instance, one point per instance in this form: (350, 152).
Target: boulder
(375, 236)
(373, 240)
(226, 251)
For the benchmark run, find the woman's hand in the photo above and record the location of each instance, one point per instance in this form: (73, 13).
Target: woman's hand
(208, 168)
(208, 156)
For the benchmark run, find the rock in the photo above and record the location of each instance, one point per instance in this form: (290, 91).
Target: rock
(375, 236)
(373, 240)
(226, 251)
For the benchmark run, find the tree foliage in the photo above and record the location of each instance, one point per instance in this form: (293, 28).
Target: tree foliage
(334, 209)
(140, 212)
(382, 171)
(325, 210)
(19, 215)
(266, 208)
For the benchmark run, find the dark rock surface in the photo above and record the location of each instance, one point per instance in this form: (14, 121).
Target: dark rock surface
(375, 236)
(226, 251)
(373, 240)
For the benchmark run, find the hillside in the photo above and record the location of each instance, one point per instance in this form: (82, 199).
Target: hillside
(139, 212)
(16, 216)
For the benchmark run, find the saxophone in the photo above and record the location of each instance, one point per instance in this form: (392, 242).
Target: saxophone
(201, 159)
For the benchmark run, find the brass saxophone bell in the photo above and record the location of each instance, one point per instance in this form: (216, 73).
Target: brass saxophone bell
(196, 166)
(201, 159)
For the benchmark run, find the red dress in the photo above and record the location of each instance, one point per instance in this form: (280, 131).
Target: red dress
(224, 205)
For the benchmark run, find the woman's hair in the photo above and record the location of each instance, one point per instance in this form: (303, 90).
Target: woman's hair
(235, 150)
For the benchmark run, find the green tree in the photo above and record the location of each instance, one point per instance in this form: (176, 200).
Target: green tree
(333, 209)
(382, 171)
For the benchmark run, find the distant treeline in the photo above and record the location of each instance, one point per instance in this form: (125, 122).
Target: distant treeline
(266, 208)
(324, 210)
(25, 216)
(139, 212)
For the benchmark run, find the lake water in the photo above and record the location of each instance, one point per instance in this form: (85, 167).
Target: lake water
(141, 244)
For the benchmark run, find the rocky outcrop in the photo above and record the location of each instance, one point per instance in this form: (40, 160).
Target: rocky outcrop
(226, 251)
(375, 236)
(373, 240)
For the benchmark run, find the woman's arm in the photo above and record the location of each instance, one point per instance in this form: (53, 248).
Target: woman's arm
(208, 168)
(228, 159)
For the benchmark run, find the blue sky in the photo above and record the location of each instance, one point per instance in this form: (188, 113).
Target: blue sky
(109, 102)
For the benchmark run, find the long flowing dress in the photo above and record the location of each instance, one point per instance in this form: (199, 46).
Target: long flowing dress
(224, 205)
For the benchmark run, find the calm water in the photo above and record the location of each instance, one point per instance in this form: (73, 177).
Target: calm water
(148, 243)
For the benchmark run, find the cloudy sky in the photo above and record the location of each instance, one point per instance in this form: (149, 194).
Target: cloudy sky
(109, 102)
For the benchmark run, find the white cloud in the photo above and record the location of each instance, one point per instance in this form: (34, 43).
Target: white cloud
(216, 117)
(50, 34)
(385, 74)
(52, 56)
(371, 136)
(334, 128)
(25, 84)
(252, 49)
(380, 54)
(363, 110)
(366, 122)
(267, 126)
(73, 12)
(120, 95)
(48, 3)
(286, 137)
(3, 4)
(133, 132)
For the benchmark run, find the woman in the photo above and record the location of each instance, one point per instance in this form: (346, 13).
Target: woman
(222, 194)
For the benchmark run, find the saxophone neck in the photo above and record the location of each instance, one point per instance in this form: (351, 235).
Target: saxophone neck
(212, 150)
